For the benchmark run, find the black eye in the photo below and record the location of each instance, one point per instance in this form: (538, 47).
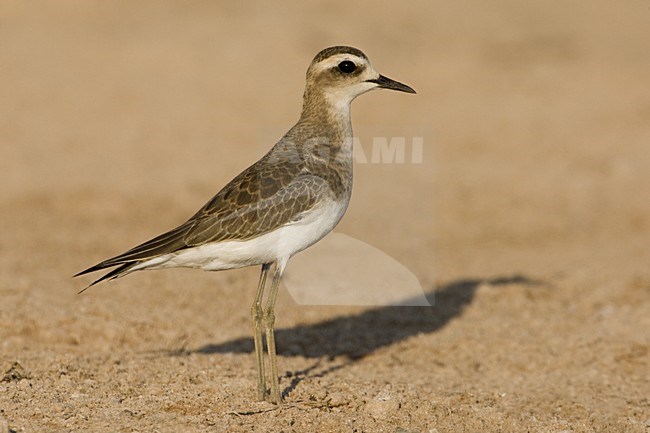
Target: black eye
(347, 67)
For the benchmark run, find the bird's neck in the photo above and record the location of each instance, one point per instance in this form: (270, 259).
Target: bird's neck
(326, 119)
(321, 141)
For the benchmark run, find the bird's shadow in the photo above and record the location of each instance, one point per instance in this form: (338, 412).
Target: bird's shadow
(355, 336)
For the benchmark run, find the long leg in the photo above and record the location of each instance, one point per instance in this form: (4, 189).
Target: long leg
(269, 322)
(257, 314)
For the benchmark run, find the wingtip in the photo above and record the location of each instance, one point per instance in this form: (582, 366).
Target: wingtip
(85, 288)
(80, 273)
(115, 273)
(91, 284)
(97, 267)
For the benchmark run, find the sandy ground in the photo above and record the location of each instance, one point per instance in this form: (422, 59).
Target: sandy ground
(527, 222)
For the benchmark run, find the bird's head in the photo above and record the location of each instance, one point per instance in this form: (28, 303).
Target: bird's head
(340, 74)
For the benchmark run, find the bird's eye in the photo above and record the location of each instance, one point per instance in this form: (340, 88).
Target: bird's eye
(347, 67)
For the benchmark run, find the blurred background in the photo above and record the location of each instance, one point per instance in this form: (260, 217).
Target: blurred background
(535, 120)
(119, 119)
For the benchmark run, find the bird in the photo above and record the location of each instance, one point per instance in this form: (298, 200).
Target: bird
(282, 204)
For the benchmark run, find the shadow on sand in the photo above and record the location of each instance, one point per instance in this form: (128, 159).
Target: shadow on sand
(355, 336)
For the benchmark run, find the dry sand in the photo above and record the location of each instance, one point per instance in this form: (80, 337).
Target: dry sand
(528, 218)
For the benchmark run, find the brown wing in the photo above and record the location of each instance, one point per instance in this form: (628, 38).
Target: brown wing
(266, 196)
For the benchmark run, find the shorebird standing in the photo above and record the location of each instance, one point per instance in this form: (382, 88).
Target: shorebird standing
(285, 202)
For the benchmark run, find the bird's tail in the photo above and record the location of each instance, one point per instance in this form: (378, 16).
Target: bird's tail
(118, 272)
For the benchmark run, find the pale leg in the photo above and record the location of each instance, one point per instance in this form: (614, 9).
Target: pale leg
(257, 314)
(269, 322)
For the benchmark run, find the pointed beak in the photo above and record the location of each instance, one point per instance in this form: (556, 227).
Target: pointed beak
(387, 83)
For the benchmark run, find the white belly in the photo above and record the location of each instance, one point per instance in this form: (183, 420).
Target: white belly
(280, 244)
